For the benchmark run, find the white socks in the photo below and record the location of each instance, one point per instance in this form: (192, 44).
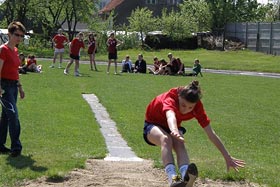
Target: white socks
(183, 169)
(170, 170)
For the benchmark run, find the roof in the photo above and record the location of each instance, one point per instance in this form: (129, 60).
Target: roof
(111, 5)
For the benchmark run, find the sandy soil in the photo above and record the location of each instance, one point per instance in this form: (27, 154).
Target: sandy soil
(122, 174)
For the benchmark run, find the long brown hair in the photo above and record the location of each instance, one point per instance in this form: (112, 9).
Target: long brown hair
(191, 92)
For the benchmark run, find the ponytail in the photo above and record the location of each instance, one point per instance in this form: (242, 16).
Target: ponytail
(191, 92)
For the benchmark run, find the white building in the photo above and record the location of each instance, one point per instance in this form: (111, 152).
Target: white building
(268, 1)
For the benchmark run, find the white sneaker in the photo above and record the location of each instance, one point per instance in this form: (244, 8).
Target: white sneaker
(65, 72)
(77, 74)
(51, 66)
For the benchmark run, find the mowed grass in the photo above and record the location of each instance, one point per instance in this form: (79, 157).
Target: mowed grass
(59, 131)
(226, 60)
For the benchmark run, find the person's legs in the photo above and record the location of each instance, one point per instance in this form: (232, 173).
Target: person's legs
(3, 131)
(54, 59)
(66, 70)
(109, 64)
(159, 137)
(116, 66)
(91, 61)
(60, 59)
(10, 96)
(77, 64)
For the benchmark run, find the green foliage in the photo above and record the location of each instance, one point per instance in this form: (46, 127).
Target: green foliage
(194, 16)
(198, 15)
(236, 11)
(142, 21)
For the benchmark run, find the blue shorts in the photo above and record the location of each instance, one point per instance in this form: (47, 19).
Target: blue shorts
(148, 127)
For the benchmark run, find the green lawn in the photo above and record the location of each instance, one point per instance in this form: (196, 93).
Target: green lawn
(59, 131)
(225, 60)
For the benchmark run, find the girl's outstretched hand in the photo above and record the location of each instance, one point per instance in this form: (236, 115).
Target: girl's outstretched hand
(235, 163)
(177, 135)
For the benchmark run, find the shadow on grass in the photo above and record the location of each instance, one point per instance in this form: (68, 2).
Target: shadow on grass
(23, 161)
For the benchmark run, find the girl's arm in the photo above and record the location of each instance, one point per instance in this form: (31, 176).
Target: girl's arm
(230, 161)
(172, 124)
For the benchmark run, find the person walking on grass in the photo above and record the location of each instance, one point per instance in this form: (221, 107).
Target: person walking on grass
(59, 40)
(75, 46)
(9, 88)
(112, 44)
(163, 128)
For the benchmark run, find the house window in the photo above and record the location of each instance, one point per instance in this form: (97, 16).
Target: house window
(151, 2)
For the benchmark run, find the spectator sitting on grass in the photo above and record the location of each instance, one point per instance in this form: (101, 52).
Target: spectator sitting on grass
(175, 66)
(140, 65)
(126, 65)
(196, 69)
(32, 64)
(155, 69)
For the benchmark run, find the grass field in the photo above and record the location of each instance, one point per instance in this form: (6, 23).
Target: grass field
(59, 131)
(226, 60)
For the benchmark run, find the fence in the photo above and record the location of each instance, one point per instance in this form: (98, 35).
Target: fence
(262, 37)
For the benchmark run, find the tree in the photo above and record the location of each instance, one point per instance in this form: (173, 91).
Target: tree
(78, 11)
(198, 13)
(142, 21)
(193, 16)
(226, 11)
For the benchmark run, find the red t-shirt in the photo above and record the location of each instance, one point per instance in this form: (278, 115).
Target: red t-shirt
(31, 61)
(11, 63)
(112, 45)
(156, 110)
(59, 41)
(91, 46)
(76, 45)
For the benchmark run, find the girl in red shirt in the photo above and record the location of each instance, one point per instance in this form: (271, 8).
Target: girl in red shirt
(59, 40)
(9, 88)
(112, 44)
(92, 50)
(163, 128)
(75, 47)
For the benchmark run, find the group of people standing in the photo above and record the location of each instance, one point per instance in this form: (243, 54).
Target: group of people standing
(60, 40)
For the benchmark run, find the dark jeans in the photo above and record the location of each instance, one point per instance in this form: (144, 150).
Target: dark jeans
(9, 119)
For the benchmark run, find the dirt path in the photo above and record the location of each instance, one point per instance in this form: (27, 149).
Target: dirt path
(122, 174)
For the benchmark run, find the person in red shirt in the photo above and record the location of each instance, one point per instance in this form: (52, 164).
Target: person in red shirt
(32, 64)
(59, 40)
(75, 47)
(162, 127)
(92, 46)
(9, 88)
(112, 44)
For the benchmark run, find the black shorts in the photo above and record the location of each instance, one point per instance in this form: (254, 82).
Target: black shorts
(148, 127)
(112, 56)
(75, 57)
